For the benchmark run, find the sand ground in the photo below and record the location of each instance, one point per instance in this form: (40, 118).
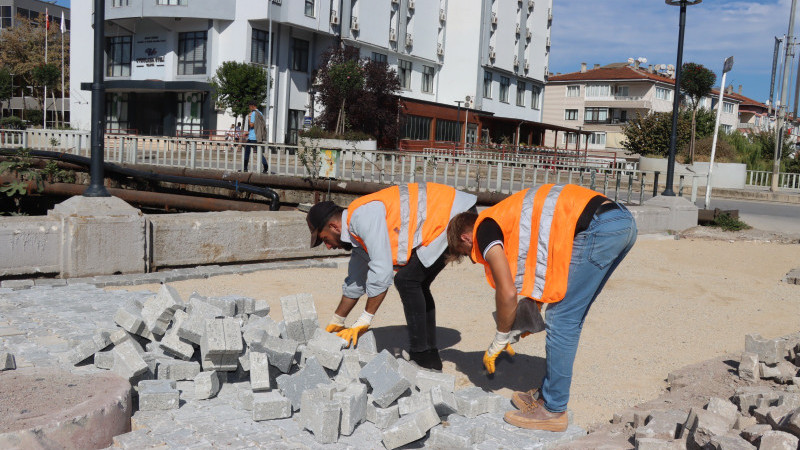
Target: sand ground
(670, 303)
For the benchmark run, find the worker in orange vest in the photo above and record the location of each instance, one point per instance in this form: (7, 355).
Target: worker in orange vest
(558, 245)
(401, 228)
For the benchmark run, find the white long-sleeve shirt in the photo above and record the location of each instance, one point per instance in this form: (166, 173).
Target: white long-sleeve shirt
(372, 272)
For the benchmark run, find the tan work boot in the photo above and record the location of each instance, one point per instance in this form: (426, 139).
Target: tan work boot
(538, 418)
(524, 400)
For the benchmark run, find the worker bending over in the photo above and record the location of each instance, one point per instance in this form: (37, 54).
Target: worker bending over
(399, 228)
(558, 245)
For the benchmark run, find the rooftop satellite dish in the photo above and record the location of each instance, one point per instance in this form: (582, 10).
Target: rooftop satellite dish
(630, 60)
(670, 67)
(663, 67)
(642, 60)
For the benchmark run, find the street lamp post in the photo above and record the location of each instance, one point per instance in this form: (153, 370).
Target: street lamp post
(96, 187)
(677, 95)
(726, 67)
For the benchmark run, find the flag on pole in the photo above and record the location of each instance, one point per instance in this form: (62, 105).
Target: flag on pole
(63, 25)
(47, 19)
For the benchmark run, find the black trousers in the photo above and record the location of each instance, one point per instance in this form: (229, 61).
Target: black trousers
(248, 149)
(413, 282)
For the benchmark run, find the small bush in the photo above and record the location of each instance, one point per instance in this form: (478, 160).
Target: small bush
(728, 223)
(12, 123)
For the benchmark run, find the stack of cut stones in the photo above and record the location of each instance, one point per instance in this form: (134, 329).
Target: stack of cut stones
(756, 416)
(292, 366)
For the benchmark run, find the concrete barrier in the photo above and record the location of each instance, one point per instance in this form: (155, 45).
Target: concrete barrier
(29, 245)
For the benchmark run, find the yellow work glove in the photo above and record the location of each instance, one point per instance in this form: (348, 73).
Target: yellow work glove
(355, 331)
(336, 325)
(497, 346)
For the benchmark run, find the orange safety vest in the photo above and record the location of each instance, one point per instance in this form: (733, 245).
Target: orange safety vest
(416, 214)
(538, 229)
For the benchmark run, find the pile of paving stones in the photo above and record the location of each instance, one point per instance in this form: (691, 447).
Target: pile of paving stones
(179, 354)
(758, 415)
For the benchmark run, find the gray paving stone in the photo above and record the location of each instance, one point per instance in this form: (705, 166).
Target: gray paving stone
(778, 440)
(226, 304)
(49, 282)
(299, 317)
(427, 379)
(17, 284)
(407, 370)
(261, 308)
(206, 385)
(383, 377)
(102, 360)
(173, 344)
(157, 395)
(177, 370)
(349, 367)
(443, 400)
(353, 404)
(269, 406)
(326, 347)
(661, 425)
(723, 408)
(702, 425)
(292, 386)
(769, 351)
(221, 344)
(193, 327)
(749, 369)
(259, 372)
(7, 361)
(222, 363)
(410, 428)
(158, 311)
(257, 327)
(472, 401)
(320, 414)
(367, 347)
(381, 417)
(87, 347)
(128, 362)
(280, 352)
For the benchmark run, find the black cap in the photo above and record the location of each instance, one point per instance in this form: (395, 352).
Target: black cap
(318, 217)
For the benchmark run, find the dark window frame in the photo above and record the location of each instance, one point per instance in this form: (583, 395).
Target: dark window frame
(505, 85)
(118, 56)
(300, 49)
(197, 66)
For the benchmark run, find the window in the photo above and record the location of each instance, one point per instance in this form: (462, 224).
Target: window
(448, 130)
(598, 90)
(622, 91)
(5, 17)
(597, 139)
(726, 128)
(727, 108)
(33, 16)
(504, 83)
(569, 138)
(573, 91)
(663, 93)
(379, 57)
(118, 3)
(116, 111)
(623, 116)
(190, 113)
(295, 122)
(192, 53)
(258, 47)
(404, 73)
(299, 55)
(570, 114)
(597, 115)
(171, 2)
(417, 128)
(536, 94)
(521, 93)
(487, 84)
(427, 78)
(118, 56)
(310, 8)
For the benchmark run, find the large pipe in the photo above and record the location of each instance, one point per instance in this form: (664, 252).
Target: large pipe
(156, 199)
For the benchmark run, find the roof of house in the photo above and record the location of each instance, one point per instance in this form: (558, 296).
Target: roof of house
(745, 101)
(611, 72)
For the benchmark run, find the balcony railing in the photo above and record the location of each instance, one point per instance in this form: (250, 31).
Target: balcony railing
(614, 121)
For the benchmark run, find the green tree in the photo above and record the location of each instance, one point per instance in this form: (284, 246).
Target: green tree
(235, 84)
(650, 134)
(696, 83)
(5, 87)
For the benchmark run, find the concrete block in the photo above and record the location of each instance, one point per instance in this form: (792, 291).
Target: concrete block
(206, 385)
(778, 440)
(177, 370)
(244, 360)
(102, 360)
(382, 418)
(367, 346)
(120, 335)
(257, 327)
(158, 395)
(730, 442)
(293, 386)
(353, 404)
(776, 415)
(410, 428)
(413, 403)
(407, 370)
(724, 409)
(7, 361)
(427, 379)
(769, 351)
(222, 336)
(749, 368)
(259, 372)
(659, 444)
(128, 362)
(246, 397)
(269, 406)
(702, 425)
(349, 367)
(280, 352)
(458, 432)
(748, 396)
(220, 363)
(260, 308)
(326, 347)
(158, 311)
(194, 325)
(130, 319)
(661, 425)
(753, 433)
(682, 212)
(17, 284)
(320, 414)
(87, 347)
(383, 377)
(175, 345)
(472, 401)
(226, 304)
(299, 317)
(443, 400)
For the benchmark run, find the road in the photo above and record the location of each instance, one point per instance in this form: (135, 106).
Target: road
(765, 216)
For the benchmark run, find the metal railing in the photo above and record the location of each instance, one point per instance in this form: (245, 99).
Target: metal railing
(763, 178)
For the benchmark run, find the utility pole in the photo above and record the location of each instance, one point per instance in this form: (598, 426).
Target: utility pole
(776, 164)
(775, 57)
(96, 187)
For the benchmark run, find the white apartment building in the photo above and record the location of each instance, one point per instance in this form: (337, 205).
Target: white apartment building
(161, 54)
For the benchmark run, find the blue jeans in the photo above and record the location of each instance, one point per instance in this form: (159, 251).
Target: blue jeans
(596, 252)
(247, 150)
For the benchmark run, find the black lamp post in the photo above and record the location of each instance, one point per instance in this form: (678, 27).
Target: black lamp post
(96, 187)
(676, 101)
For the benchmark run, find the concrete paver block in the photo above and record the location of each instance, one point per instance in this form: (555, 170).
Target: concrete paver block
(226, 304)
(88, 347)
(382, 375)
(130, 319)
(407, 370)
(158, 395)
(128, 362)
(661, 425)
(177, 370)
(413, 403)
(460, 433)
(724, 409)
(410, 428)
(730, 442)
(749, 368)
(206, 385)
(427, 379)
(259, 372)
(244, 360)
(367, 346)
(158, 311)
(221, 344)
(220, 363)
(280, 352)
(660, 444)
(270, 405)
(7, 361)
(293, 386)
(299, 317)
(257, 327)
(194, 326)
(748, 397)
(102, 360)
(320, 414)
(382, 418)
(769, 351)
(348, 368)
(702, 425)
(443, 400)
(353, 403)
(778, 440)
(472, 401)
(260, 308)
(326, 347)
(175, 345)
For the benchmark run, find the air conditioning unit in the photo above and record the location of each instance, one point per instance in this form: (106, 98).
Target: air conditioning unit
(494, 18)
(518, 28)
(528, 35)
(334, 18)
(547, 41)
(468, 102)
(530, 4)
(392, 35)
(491, 52)
(527, 66)
(409, 40)
(516, 61)
(442, 15)
(354, 24)
(410, 4)
(440, 49)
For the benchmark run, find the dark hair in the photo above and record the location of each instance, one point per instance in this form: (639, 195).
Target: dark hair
(252, 103)
(458, 225)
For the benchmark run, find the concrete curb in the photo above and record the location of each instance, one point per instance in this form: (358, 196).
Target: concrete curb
(746, 194)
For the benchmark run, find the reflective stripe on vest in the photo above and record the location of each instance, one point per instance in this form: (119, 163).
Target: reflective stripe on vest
(405, 213)
(545, 225)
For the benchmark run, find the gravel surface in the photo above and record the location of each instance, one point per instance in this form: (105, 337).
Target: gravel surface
(671, 303)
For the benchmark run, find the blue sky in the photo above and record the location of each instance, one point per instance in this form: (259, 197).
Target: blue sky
(606, 31)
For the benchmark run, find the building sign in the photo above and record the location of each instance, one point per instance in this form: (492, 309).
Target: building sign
(329, 162)
(149, 54)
